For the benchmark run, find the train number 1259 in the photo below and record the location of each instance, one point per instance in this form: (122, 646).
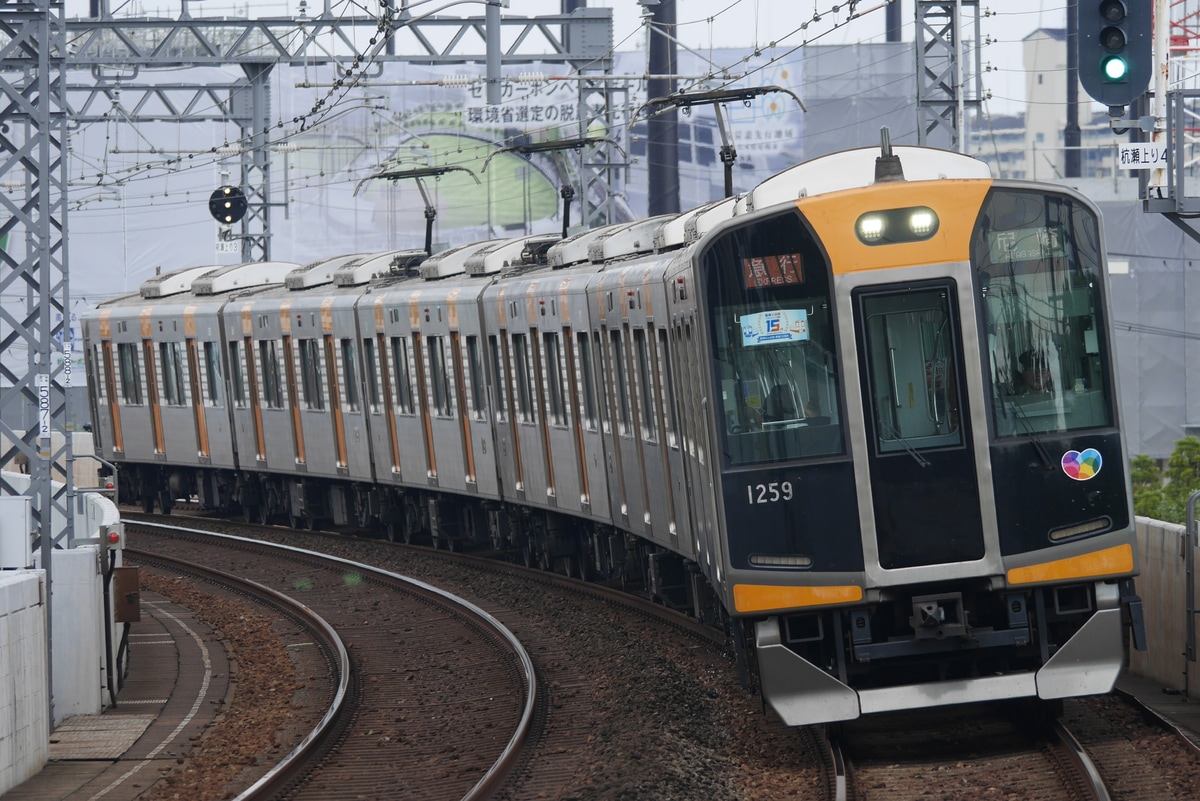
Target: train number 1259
(769, 493)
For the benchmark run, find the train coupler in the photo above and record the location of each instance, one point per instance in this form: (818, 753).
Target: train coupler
(936, 617)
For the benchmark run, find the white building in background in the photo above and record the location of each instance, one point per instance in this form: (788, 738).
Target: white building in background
(1032, 146)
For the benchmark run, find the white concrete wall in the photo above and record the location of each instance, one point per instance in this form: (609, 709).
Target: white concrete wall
(1162, 587)
(79, 672)
(77, 631)
(24, 729)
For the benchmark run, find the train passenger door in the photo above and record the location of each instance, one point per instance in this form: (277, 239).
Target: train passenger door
(160, 443)
(924, 486)
(198, 415)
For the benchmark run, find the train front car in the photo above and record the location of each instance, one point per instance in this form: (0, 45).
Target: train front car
(924, 490)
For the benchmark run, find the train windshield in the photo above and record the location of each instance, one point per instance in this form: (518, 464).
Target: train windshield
(773, 343)
(1038, 264)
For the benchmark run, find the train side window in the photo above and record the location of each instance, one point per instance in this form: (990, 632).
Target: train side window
(477, 390)
(602, 395)
(371, 370)
(666, 379)
(131, 378)
(402, 368)
(622, 383)
(212, 372)
(524, 387)
(171, 359)
(237, 380)
(350, 375)
(499, 374)
(102, 361)
(587, 381)
(268, 352)
(439, 376)
(310, 374)
(554, 379)
(646, 397)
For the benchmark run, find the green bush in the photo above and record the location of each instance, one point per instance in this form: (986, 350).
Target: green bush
(1163, 495)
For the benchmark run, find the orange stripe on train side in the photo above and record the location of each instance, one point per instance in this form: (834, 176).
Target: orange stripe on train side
(768, 597)
(956, 203)
(189, 320)
(1109, 562)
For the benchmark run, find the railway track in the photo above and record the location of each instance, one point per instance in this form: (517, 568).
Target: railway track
(410, 650)
(639, 701)
(591, 734)
(1007, 750)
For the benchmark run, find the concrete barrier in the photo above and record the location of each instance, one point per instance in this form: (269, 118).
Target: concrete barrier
(1162, 586)
(24, 728)
(77, 646)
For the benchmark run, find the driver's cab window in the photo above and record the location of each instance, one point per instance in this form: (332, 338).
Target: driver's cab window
(1037, 261)
(773, 343)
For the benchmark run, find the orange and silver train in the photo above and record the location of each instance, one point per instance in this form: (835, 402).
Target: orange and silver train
(864, 416)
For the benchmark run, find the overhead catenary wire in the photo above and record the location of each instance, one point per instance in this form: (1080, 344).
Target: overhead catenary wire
(282, 131)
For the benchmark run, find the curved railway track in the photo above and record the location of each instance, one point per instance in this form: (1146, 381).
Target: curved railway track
(640, 700)
(419, 650)
(583, 740)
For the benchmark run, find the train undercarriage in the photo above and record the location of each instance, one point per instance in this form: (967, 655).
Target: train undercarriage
(922, 646)
(538, 538)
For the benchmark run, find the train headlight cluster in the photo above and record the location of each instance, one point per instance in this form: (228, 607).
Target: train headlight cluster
(913, 224)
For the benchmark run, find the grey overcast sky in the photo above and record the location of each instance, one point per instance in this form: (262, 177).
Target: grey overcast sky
(705, 24)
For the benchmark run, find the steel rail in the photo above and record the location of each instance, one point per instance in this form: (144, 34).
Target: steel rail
(494, 778)
(1089, 773)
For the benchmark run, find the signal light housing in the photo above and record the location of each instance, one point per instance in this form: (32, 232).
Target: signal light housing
(1114, 51)
(112, 536)
(227, 205)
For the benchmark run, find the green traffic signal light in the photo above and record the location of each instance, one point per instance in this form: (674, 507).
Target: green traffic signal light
(1115, 69)
(1113, 45)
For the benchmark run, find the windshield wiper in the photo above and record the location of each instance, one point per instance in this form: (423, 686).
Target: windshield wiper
(895, 435)
(1034, 439)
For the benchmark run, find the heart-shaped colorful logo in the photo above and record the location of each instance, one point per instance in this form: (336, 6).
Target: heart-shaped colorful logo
(1082, 466)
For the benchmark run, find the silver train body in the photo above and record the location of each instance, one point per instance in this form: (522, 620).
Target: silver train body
(864, 419)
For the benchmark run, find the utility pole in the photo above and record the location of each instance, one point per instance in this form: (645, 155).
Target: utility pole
(32, 80)
(1071, 135)
(893, 17)
(945, 88)
(662, 130)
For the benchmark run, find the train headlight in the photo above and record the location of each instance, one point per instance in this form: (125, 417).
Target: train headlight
(870, 228)
(922, 222)
(893, 226)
